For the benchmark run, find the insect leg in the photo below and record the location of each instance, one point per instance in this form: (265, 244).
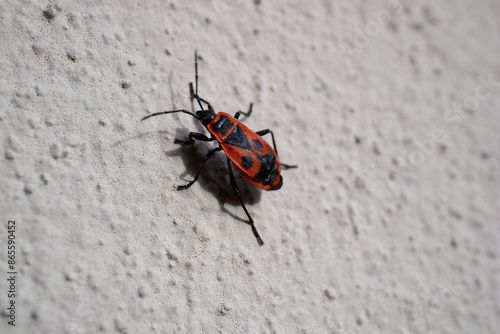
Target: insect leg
(237, 115)
(235, 187)
(205, 158)
(192, 137)
(265, 132)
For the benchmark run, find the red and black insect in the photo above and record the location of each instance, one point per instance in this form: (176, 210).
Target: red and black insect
(251, 155)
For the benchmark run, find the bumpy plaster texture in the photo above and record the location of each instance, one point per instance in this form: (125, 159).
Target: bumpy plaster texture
(389, 225)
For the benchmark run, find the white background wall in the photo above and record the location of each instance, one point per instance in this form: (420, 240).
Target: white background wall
(389, 225)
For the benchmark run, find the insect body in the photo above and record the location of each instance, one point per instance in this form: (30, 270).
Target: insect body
(252, 156)
(255, 160)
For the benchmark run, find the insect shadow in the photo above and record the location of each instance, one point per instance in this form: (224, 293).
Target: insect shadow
(214, 176)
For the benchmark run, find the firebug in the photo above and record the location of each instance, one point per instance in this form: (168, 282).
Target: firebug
(255, 160)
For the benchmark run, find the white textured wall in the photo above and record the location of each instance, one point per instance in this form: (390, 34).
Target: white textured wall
(389, 225)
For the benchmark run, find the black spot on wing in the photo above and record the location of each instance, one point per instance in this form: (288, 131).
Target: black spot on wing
(223, 125)
(237, 138)
(246, 162)
(257, 144)
(268, 168)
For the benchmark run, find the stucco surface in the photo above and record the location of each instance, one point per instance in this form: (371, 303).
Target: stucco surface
(390, 224)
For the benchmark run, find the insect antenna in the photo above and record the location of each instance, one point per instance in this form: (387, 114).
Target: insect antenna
(196, 76)
(170, 112)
